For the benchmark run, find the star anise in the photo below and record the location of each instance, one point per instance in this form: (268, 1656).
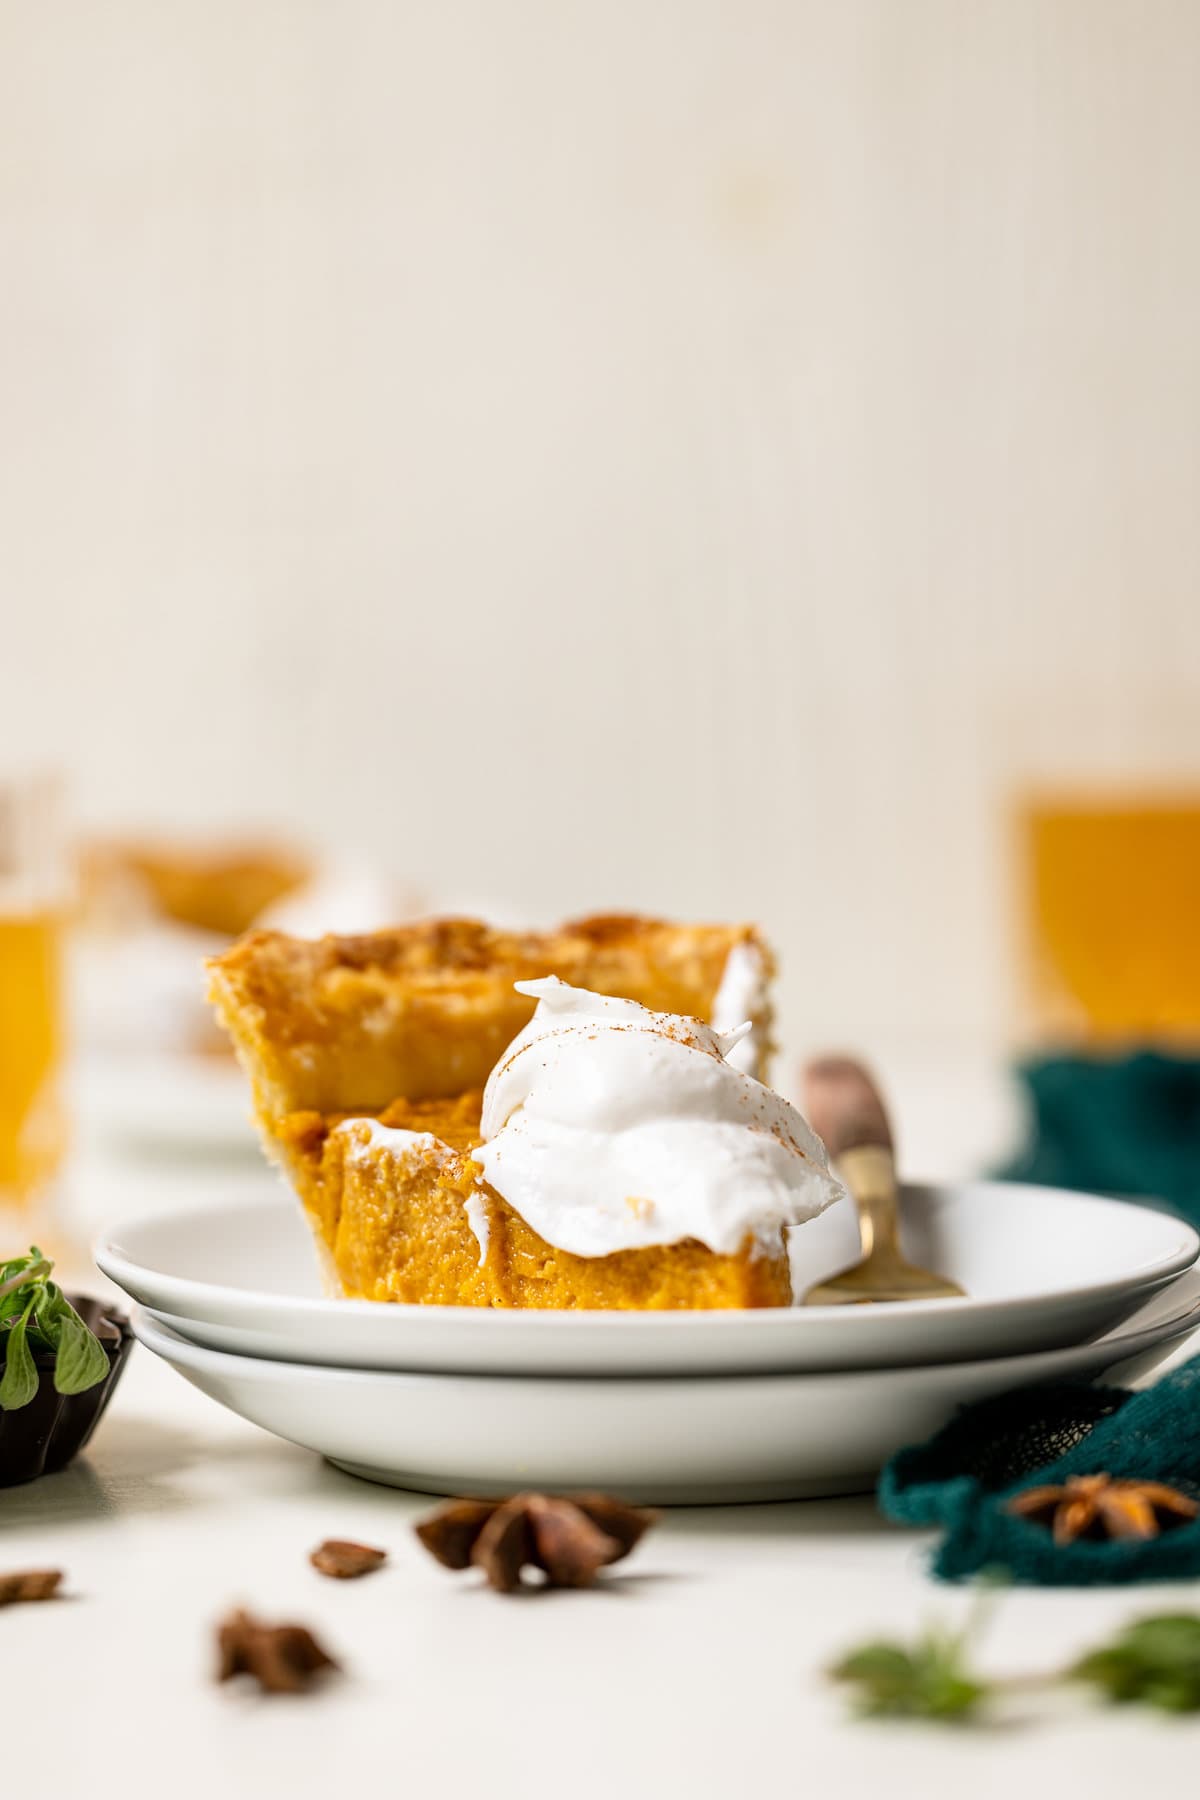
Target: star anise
(283, 1659)
(29, 1584)
(569, 1539)
(1097, 1506)
(345, 1560)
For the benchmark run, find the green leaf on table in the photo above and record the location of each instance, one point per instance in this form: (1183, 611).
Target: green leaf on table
(1155, 1661)
(925, 1680)
(81, 1361)
(19, 1383)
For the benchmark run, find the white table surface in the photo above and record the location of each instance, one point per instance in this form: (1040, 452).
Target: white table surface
(694, 1669)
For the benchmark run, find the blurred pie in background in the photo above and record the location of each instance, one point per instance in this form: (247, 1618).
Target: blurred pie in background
(222, 890)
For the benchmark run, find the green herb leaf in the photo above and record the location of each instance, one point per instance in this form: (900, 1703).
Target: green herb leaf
(16, 1274)
(51, 1310)
(1155, 1661)
(53, 1300)
(82, 1361)
(44, 1333)
(35, 1314)
(925, 1680)
(19, 1383)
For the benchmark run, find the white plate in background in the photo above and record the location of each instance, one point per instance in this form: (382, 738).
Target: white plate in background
(162, 1103)
(1042, 1269)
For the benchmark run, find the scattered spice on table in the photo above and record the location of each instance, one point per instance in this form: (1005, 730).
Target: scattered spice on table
(283, 1659)
(569, 1539)
(344, 1560)
(28, 1585)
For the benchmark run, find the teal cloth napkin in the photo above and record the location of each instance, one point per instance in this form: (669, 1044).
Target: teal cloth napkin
(1125, 1125)
(961, 1480)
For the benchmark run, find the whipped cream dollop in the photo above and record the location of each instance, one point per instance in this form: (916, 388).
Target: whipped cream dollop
(741, 995)
(610, 1127)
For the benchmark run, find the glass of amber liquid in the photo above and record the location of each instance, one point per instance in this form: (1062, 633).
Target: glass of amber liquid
(33, 905)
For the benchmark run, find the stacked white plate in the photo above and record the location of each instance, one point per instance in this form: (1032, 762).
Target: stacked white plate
(670, 1407)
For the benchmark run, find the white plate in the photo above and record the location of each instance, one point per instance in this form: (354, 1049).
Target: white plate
(675, 1441)
(1043, 1269)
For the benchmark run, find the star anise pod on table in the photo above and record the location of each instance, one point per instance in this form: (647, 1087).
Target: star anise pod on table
(570, 1538)
(1097, 1506)
(283, 1659)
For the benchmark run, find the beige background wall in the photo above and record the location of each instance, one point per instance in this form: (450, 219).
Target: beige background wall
(683, 454)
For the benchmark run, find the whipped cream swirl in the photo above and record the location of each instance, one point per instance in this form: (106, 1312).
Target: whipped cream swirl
(610, 1127)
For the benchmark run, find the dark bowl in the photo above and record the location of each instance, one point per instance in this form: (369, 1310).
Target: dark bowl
(41, 1438)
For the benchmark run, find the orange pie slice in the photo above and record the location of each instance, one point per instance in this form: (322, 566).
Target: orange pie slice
(367, 1057)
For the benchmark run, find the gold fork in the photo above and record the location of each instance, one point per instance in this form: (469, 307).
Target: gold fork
(845, 1110)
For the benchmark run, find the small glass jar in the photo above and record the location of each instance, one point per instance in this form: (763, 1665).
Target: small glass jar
(34, 899)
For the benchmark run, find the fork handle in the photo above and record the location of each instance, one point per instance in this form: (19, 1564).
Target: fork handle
(846, 1111)
(869, 1171)
(843, 1106)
